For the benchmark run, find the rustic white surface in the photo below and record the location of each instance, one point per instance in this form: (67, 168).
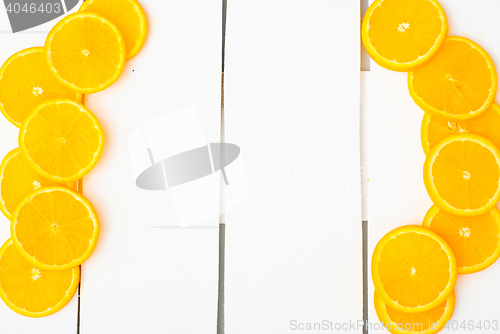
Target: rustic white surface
(142, 279)
(397, 192)
(293, 248)
(63, 321)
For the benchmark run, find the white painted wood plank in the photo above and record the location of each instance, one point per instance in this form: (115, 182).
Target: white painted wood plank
(293, 248)
(397, 192)
(65, 320)
(142, 279)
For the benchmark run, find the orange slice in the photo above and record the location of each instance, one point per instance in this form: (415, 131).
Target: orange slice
(413, 269)
(127, 15)
(401, 35)
(61, 140)
(429, 322)
(459, 83)
(475, 240)
(462, 175)
(86, 52)
(55, 228)
(17, 180)
(434, 129)
(31, 291)
(25, 81)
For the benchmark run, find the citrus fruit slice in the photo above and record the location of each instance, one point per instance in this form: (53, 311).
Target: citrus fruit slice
(86, 52)
(127, 15)
(403, 34)
(428, 322)
(17, 180)
(25, 81)
(475, 240)
(413, 269)
(434, 129)
(62, 140)
(31, 291)
(462, 174)
(459, 83)
(55, 228)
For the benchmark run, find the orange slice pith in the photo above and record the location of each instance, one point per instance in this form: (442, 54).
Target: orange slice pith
(459, 83)
(475, 240)
(61, 140)
(55, 228)
(31, 291)
(127, 15)
(401, 35)
(434, 129)
(25, 81)
(428, 322)
(462, 175)
(413, 269)
(17, 180)
(86, 52)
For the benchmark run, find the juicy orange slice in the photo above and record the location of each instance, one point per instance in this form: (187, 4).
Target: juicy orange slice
(459, 83)
(86, 52)
(17, 180)
(61, 140)
(475, 240)
(434, 129)
(127, 15)
(462, 175)
(31, 291)
(55, 228)
(25, 81)
(428, 322)
(413, 269)
(403, 34)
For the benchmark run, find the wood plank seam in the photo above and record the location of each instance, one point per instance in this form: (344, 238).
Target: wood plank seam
(79, 188)
(222, 218)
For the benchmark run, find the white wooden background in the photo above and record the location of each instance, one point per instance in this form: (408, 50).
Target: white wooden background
(292, 103)
(293, 249)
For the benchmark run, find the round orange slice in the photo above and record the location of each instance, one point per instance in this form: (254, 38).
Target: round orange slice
(61, 140)
(31, 291)
(462, 175)
(475, 240)
(17, 180)
(86, 52)
(434, 129)
(25, 81)
(55, 228)
(413, 269)
(127, 15)
(401, 35)
(459, 83)
(429, 322)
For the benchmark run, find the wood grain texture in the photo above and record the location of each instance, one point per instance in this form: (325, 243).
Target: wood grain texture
(293, 248)
(397, 193)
